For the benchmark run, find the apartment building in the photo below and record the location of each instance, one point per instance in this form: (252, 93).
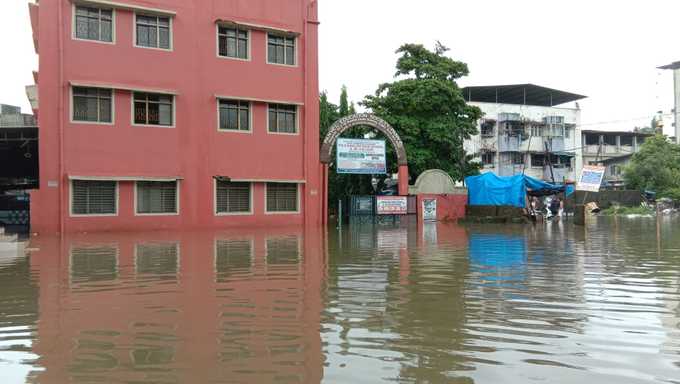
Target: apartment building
(169, 114)
(612, 149)
(527, 129)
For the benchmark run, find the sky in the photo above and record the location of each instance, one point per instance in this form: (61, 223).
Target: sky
(605, 49)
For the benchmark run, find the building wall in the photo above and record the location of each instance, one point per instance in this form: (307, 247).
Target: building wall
(194, 149)
(676, 81)
(478, 144)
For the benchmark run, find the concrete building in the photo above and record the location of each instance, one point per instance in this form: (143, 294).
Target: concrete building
(11, 116)
(613, 150)
(18, 150)
(675, 67)
(168, 114)
(524, 131)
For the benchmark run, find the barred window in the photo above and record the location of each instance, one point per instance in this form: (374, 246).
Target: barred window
(232, 197)
(153, 109)
(92, 105)
(94, 197)
(488, 158)
(538, 160)
(282, 118)
(157, 197)
(282, 197)
(280, 49)
(234, 115)
(517, 158)
(233, 42)
(153, 31)
(94, 24)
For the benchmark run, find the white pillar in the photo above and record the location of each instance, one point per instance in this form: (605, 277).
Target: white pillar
(676, 81)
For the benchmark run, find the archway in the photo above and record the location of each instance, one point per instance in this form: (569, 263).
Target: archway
(362, 119)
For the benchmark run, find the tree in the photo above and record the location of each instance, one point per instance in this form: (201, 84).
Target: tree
(426, 107)
(656, 168)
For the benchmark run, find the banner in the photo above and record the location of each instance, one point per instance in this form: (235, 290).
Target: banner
(392, 205)
(429, 209)
(591, 178)
(358, 156)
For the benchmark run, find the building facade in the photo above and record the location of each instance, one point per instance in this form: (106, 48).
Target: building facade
(524, 131)
(168, 114)
(675, 67)
(614, 150)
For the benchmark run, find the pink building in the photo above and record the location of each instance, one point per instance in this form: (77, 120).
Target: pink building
(175, 114)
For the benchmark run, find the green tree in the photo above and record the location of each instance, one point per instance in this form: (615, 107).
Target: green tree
(426, 107)
(656, 167)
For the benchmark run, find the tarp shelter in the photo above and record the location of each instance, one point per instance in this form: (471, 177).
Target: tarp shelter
(490, 189)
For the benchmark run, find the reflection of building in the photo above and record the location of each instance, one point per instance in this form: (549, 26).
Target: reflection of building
(165, 114)
(523, 131)
(179, 307)
(613, 150)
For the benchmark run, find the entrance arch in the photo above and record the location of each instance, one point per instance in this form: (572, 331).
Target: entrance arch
(362, 119)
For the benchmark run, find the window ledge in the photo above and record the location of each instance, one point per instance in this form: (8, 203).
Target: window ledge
(228, 214)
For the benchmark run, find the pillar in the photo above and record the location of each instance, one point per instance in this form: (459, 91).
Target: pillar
(324, 194)
(403, 180)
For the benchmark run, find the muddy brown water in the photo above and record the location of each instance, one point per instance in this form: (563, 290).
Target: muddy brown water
(438, 304)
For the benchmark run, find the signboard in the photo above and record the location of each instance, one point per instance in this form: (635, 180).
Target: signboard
(392, 205)
(591, 178)
(358, 156)
(429, 210)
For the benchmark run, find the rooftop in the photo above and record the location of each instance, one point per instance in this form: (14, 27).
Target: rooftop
(522, 94)
(675, 65)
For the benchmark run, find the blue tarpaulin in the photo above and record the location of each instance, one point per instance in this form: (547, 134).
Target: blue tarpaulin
(490, 189)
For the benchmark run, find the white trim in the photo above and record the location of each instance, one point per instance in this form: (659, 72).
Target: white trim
(297, 122)
(74, 5)
(296, 212)
(217, 43)
(132, 112)
(152, 243)
(125, 6)
(177, 200)
(259, 100)
(250, 118)
(70, 201)
(124, 178)
(295, 49)
(113, 108)
(260, 27)
(269, 181)
(223, 214)
(158, 36)
(121, 87)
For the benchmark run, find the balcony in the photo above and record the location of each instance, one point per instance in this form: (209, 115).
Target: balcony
(560, 173)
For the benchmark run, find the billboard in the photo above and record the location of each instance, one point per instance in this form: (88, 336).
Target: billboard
(358, 156)
(391, 205)
(591, 178)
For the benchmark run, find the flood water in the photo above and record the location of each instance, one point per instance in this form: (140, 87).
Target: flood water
(439, 304)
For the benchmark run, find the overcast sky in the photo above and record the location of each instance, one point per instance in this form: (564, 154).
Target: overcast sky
(607, 50)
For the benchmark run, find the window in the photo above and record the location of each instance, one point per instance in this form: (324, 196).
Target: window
(280, 49)
(233, 42)
(592, 139)
(487, 128)
(610, 140)
(536, 131)
(234, 115)
(157, 197)
(232, 197)
(94, 24)
(538, 160)
(153, 31)
(488, 158)
(92, 105)
(153, 109)
(282, 118)
(94, 197)
(517, 158)
(627, 141)
(282, 197)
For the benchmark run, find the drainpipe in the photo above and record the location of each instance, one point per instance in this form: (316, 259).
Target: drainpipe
(60, 109)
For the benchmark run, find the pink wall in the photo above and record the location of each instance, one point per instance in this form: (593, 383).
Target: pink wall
(193, 149)
(449, 207)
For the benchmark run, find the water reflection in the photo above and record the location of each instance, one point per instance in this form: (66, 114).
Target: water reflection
(385, 303)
